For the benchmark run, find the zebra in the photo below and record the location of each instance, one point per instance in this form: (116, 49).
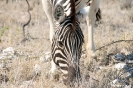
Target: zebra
(66, 50)
(67, 39)
(89, 9)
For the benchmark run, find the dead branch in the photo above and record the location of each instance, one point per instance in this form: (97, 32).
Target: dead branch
(113, 43)
(29, 19)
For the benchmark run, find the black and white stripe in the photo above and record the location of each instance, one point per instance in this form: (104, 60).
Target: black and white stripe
(66, 49)
(67, 38)
(62, 9)
(66, 8)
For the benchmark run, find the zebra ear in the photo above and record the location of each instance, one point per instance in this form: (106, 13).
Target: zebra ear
(58, 13)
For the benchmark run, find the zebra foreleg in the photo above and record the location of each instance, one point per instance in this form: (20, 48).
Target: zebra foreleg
(90, 47)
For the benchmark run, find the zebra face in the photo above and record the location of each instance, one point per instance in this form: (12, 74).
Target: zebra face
(66, 51)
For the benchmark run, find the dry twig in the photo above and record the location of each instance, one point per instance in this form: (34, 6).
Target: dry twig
(29, 19)
(114, 43)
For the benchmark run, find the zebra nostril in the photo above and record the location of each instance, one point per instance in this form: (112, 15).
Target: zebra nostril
(60, 44)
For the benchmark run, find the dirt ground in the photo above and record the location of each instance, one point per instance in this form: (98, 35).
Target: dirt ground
(27, 70)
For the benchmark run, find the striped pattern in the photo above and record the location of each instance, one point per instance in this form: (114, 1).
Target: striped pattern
(66, 49)
(68, 7)
(63, 9)
(67, 37)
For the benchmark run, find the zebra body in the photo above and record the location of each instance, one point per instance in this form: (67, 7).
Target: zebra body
(67, 37)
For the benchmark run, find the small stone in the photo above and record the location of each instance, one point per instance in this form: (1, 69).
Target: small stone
(130, 61)
(128, 86)
(126, 75)
(2, 65)
(119, 57)
(42, 59)
(116, 83)
(47, 57)
(120, 66)
(2, 57)
(9, 51)
(130, 70)
(37, 69)
(130, 58)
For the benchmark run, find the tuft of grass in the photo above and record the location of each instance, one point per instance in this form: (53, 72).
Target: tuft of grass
(116, 25)
(126, 4)
(2, 31)
(130, 15)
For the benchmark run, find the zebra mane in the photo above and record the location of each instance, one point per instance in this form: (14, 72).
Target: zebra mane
(73, 13)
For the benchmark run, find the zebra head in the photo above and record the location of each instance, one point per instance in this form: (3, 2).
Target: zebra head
(66, 50)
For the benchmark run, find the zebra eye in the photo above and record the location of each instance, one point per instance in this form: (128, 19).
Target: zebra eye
(60, 44)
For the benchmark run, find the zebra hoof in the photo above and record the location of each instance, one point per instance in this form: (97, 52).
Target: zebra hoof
(90, 59)
(91, 54)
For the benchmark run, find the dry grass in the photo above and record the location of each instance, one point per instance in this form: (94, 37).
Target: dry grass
(116, 24)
